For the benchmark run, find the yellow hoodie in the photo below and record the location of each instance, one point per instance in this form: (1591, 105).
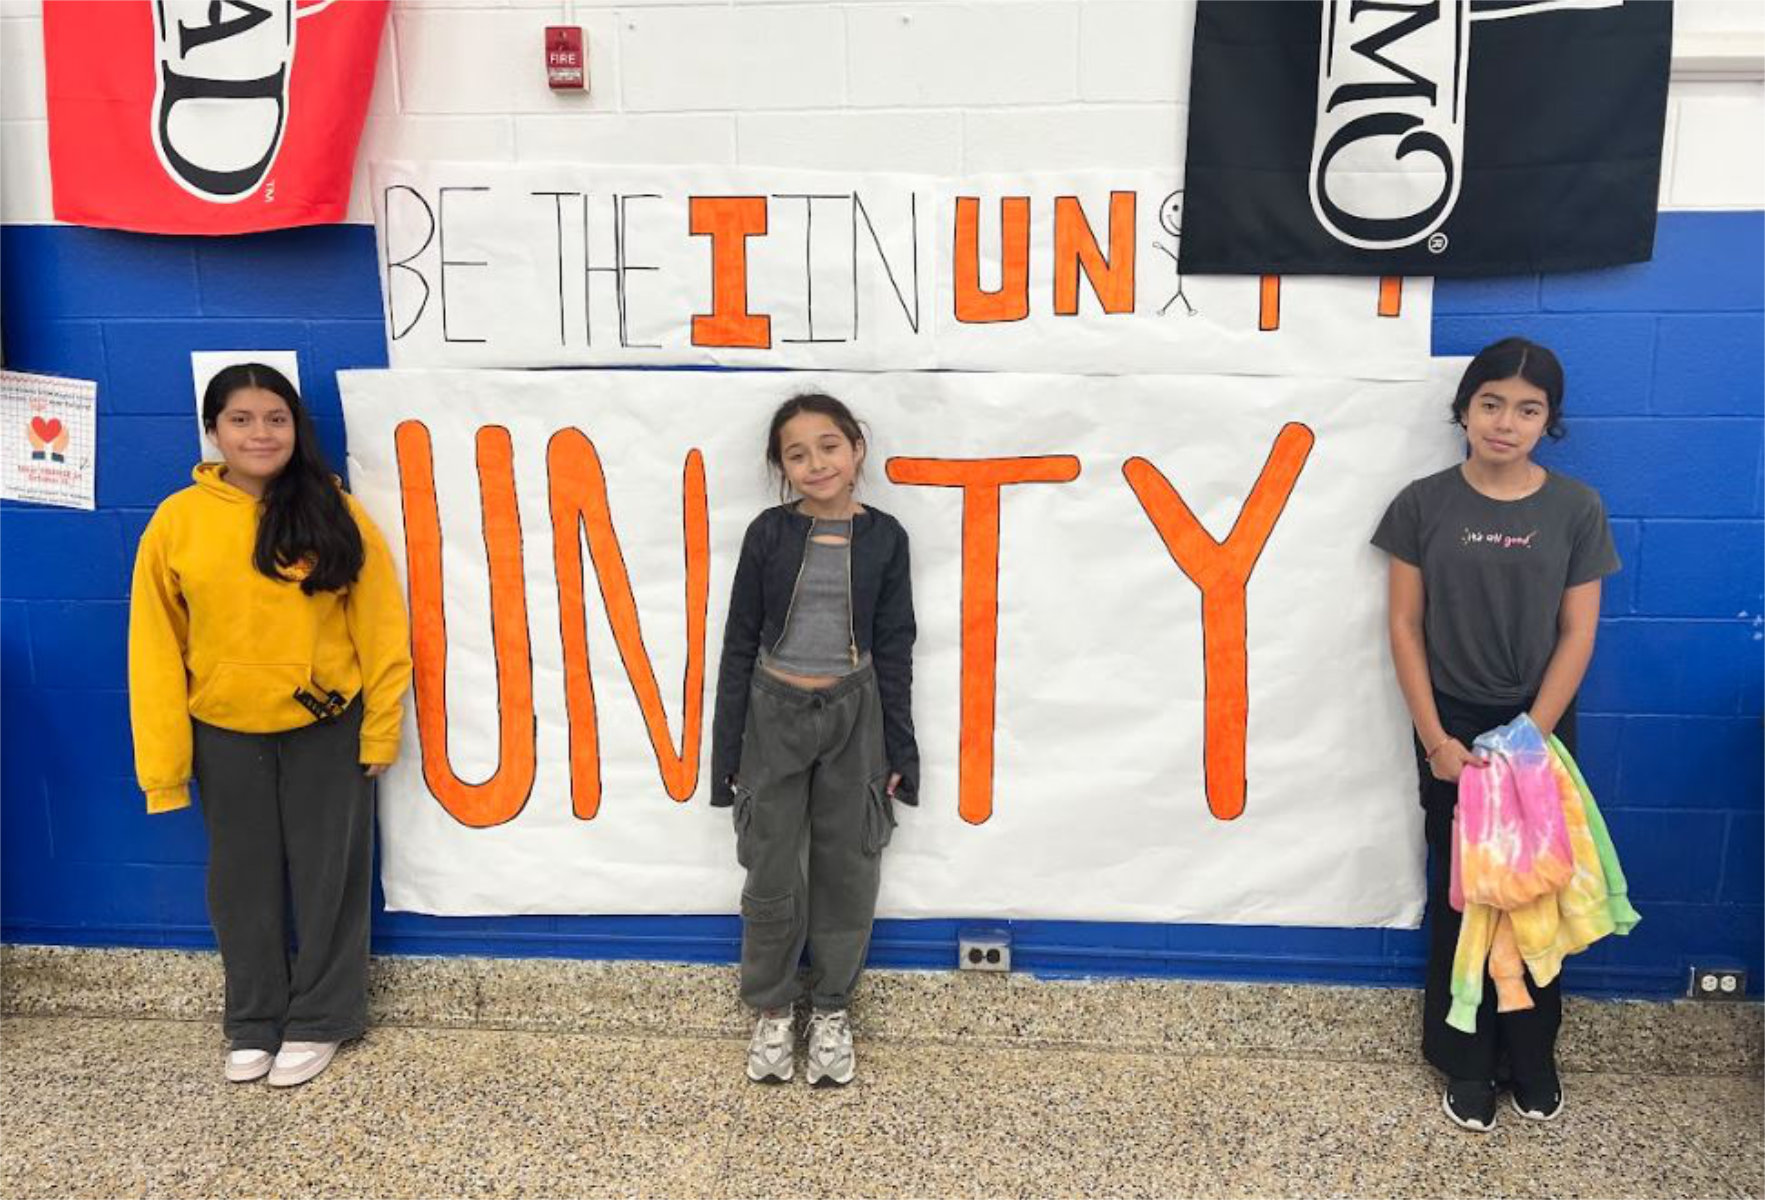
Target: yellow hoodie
(213, 638)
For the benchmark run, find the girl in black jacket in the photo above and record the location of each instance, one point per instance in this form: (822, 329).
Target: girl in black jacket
(813, 735)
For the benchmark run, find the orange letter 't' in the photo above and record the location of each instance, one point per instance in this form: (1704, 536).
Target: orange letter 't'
(980, 480)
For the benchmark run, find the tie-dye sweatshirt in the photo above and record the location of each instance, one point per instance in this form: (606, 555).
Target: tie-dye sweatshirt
(1533, 870)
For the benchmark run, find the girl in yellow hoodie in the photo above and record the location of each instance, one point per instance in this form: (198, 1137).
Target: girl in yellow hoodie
(268, 660)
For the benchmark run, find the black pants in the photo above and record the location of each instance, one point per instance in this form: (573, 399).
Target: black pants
(1518, 1045)
(290, 816)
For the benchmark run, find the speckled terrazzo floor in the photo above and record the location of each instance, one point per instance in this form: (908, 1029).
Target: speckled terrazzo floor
(93, 1106)
(623, 998)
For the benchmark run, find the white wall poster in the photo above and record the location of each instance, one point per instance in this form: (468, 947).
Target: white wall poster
(1132, 769)
(50, 439)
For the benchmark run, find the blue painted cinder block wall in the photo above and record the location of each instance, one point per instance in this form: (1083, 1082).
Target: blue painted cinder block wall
(1665, 418)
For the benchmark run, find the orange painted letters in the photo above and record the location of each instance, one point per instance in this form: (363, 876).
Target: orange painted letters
(1391, 295)
(1222, 571)
(980, 480)
(729, 221)
(1268, 304)
(1075, 246)
(502, 796)
(579, 501)
(1011, 302)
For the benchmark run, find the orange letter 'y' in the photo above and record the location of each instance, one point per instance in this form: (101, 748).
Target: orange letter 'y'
(1222, 571)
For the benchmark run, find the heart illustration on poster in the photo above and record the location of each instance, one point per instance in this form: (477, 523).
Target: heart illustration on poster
(47, 436)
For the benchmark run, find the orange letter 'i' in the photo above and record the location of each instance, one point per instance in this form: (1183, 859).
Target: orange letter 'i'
(729, 221)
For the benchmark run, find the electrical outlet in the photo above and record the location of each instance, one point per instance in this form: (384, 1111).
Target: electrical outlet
(1718, 983)
(983, 948)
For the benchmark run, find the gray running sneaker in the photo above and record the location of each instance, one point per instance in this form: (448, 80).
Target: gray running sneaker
(771, 1053)
(831, 1061)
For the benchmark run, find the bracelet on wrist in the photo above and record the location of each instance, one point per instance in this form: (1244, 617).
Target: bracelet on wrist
(1438, 747)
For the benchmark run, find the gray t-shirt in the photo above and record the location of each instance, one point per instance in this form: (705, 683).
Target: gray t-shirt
(1494, 573)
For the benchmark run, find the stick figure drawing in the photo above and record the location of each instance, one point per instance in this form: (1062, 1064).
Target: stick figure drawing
(1170, 218)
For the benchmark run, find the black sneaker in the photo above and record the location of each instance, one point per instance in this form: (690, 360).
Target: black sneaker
(1539, 1102)
(1470, 1104)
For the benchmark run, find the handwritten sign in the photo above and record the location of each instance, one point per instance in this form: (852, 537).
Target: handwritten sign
(579, 265)
(1151, 681)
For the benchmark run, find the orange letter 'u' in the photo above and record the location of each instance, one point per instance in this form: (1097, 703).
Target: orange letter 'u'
(579, 501)
(729, 221)
(502, 796)
(980, 480)
(1075, 248)
(1222, 571)
(1012, 301)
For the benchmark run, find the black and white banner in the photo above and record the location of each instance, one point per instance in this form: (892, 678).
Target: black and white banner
(1424, 137)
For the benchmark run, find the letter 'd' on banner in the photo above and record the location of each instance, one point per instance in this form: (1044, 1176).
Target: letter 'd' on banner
(185, 116)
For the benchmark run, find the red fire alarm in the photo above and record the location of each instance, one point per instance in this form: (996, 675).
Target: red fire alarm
(566, 66)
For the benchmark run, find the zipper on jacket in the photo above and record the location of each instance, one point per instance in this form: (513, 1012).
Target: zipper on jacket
(803, 562)
(851, 616)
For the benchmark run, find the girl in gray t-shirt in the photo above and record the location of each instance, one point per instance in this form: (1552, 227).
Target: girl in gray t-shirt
(1495, 596)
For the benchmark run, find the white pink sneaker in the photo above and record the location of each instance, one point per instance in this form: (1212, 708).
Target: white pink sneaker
(297, 1062)
(244, 1066)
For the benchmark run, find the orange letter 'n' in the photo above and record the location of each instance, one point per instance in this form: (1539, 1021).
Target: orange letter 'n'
(502, 796)
(980, 480)
(1222, 571)
(1075, 247)
(1011, 302)
(579, 501)
(729, 221)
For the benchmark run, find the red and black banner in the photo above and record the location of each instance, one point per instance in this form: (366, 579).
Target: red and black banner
(206, 116)
(1424, 137)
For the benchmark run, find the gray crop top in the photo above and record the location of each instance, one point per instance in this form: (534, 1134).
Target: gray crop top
(817, 637)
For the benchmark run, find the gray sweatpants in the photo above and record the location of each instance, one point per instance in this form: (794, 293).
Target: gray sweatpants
(290, 816)
(813, 770)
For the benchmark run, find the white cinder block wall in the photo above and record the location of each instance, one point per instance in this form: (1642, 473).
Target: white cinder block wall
(942, 87)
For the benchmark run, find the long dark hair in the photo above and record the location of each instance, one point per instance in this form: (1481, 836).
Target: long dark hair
(808, 402)
(304, 521)
(1510, 358)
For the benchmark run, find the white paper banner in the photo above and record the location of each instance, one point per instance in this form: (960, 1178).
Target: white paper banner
(1113, 759)
(568, 264)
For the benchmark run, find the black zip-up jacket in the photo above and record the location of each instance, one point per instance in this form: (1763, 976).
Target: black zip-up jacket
(882, 623)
